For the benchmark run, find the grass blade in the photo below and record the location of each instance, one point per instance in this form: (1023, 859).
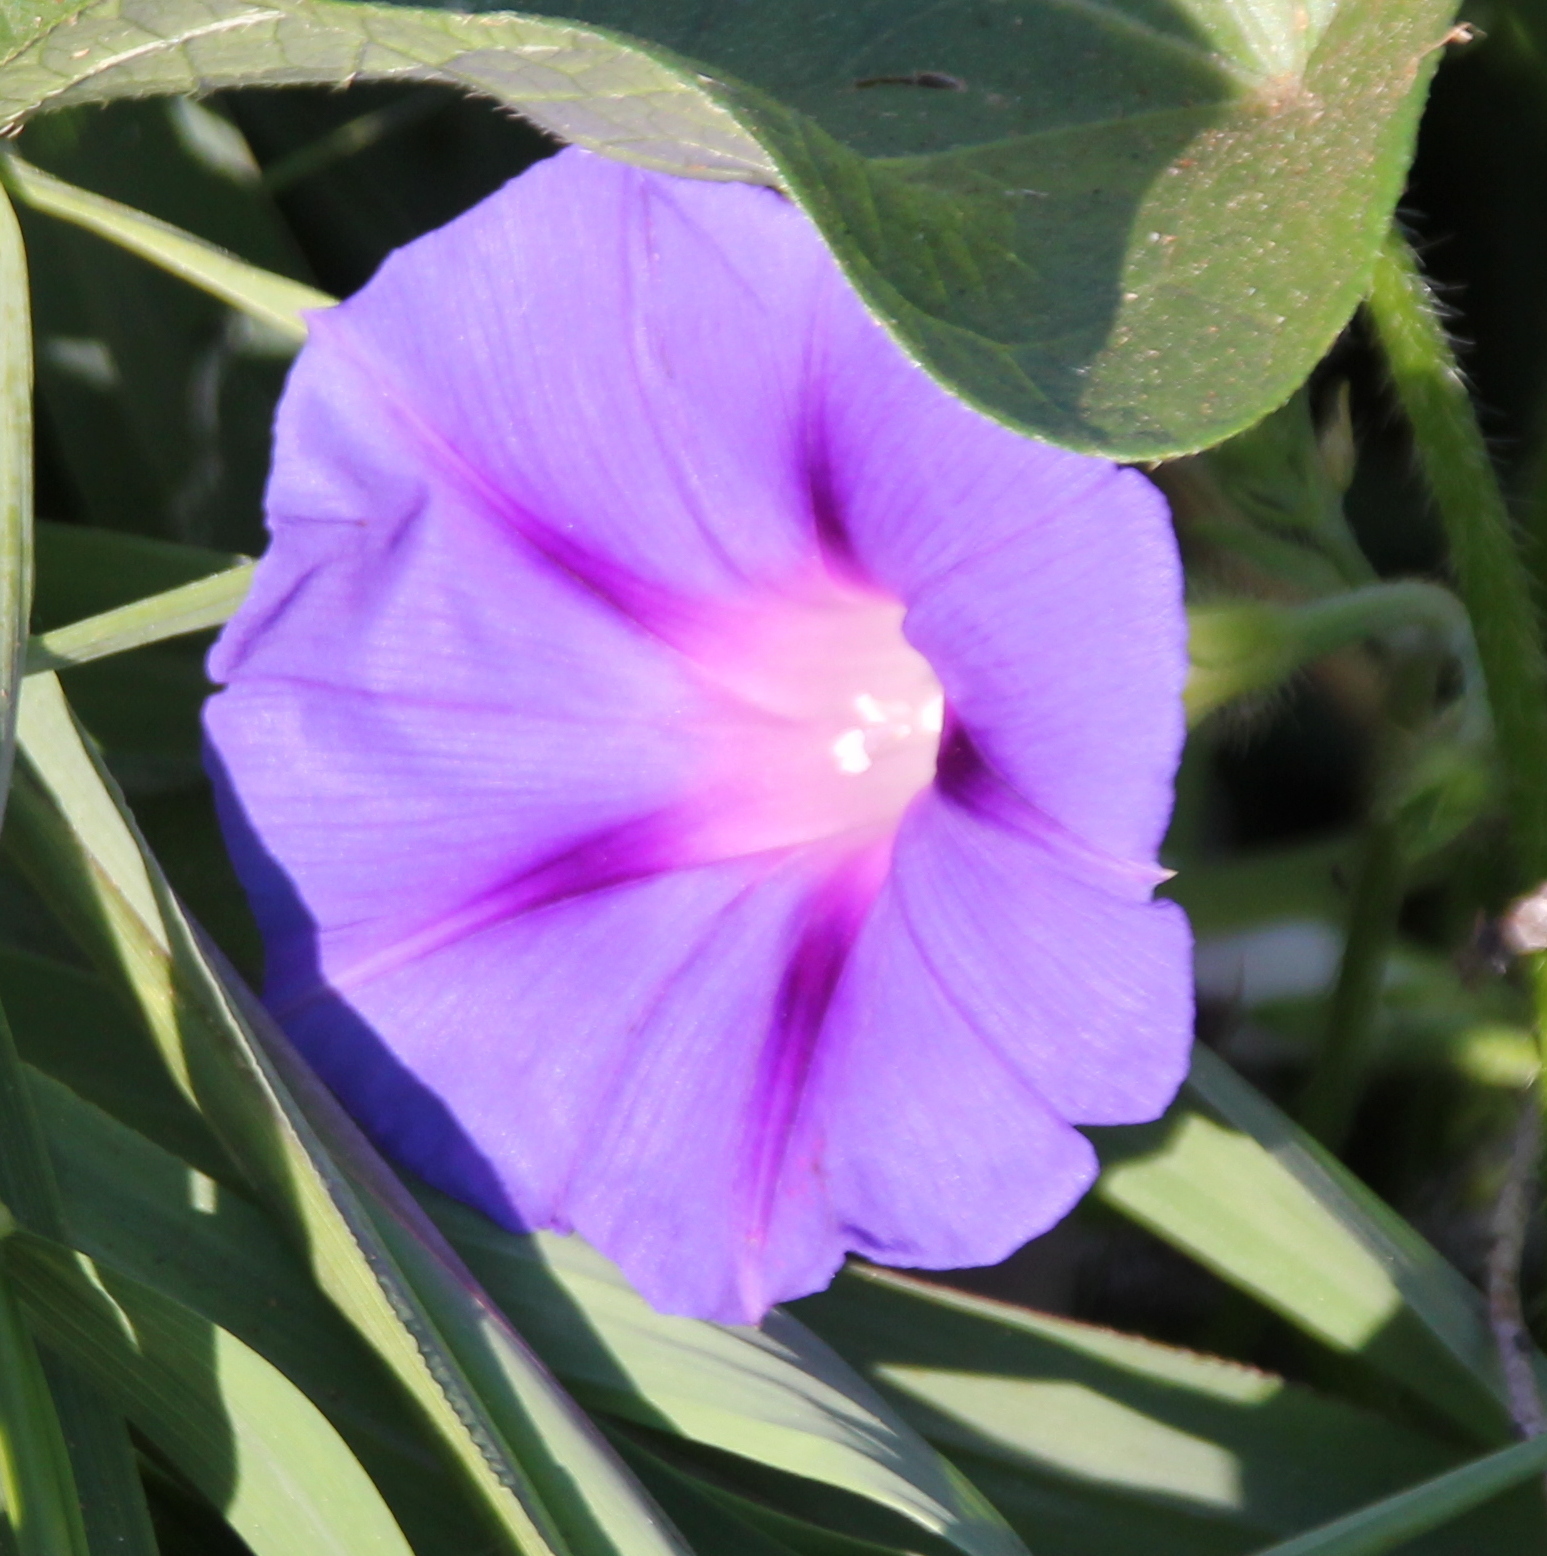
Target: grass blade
(207, 602)
(84, 571)
(1229, 1180)
(1069, 1426)
(779, 1398)
(244, 1436)
(273, 300)
(138, 1210)
(39, 1510)
(107, 1476)
(43, 1504)
(113, 1513)
(105, 1483)
(15, 480)
(1389, 1523)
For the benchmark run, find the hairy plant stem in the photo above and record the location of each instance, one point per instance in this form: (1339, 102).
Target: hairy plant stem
(1491, 575)
(1506, 1311)
(1495, 586)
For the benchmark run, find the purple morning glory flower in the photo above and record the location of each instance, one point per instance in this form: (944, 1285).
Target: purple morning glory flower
(699, 782)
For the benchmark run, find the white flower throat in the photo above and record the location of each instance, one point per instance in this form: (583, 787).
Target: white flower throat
(826, 720)
(886, 729)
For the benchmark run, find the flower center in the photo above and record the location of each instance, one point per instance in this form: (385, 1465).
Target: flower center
(825, 721)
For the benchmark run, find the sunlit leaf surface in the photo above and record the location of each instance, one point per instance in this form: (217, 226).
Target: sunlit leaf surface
(245, 1437)
(1236, 1185)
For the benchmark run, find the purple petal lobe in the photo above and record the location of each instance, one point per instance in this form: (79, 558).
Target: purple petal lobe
(698, 782)
(930, 1145)
(1076, 980)
(627, 1060)
(612, 362)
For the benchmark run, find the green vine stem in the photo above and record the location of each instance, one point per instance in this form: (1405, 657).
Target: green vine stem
(1490, 574)
(1238, 647)
(1337, 1081)
(1327, 1108)
(1506, 1312)
(1494, 582)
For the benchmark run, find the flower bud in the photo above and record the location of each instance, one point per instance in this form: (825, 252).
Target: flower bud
(1235, 649)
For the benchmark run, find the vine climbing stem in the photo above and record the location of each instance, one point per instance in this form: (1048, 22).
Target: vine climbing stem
(1495, 586)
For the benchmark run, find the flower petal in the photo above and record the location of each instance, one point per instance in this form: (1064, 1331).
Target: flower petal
(1080, 983)
(932, 1147)
(615, 360)
(420, 712)
(1001, 989)
(642, 1099)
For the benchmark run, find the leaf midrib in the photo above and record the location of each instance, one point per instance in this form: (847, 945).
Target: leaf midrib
(913, 165)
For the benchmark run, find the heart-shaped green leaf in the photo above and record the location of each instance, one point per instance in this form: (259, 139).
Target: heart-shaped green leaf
(1130, 226)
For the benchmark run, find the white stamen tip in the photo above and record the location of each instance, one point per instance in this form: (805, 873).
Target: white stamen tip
(850, 753)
